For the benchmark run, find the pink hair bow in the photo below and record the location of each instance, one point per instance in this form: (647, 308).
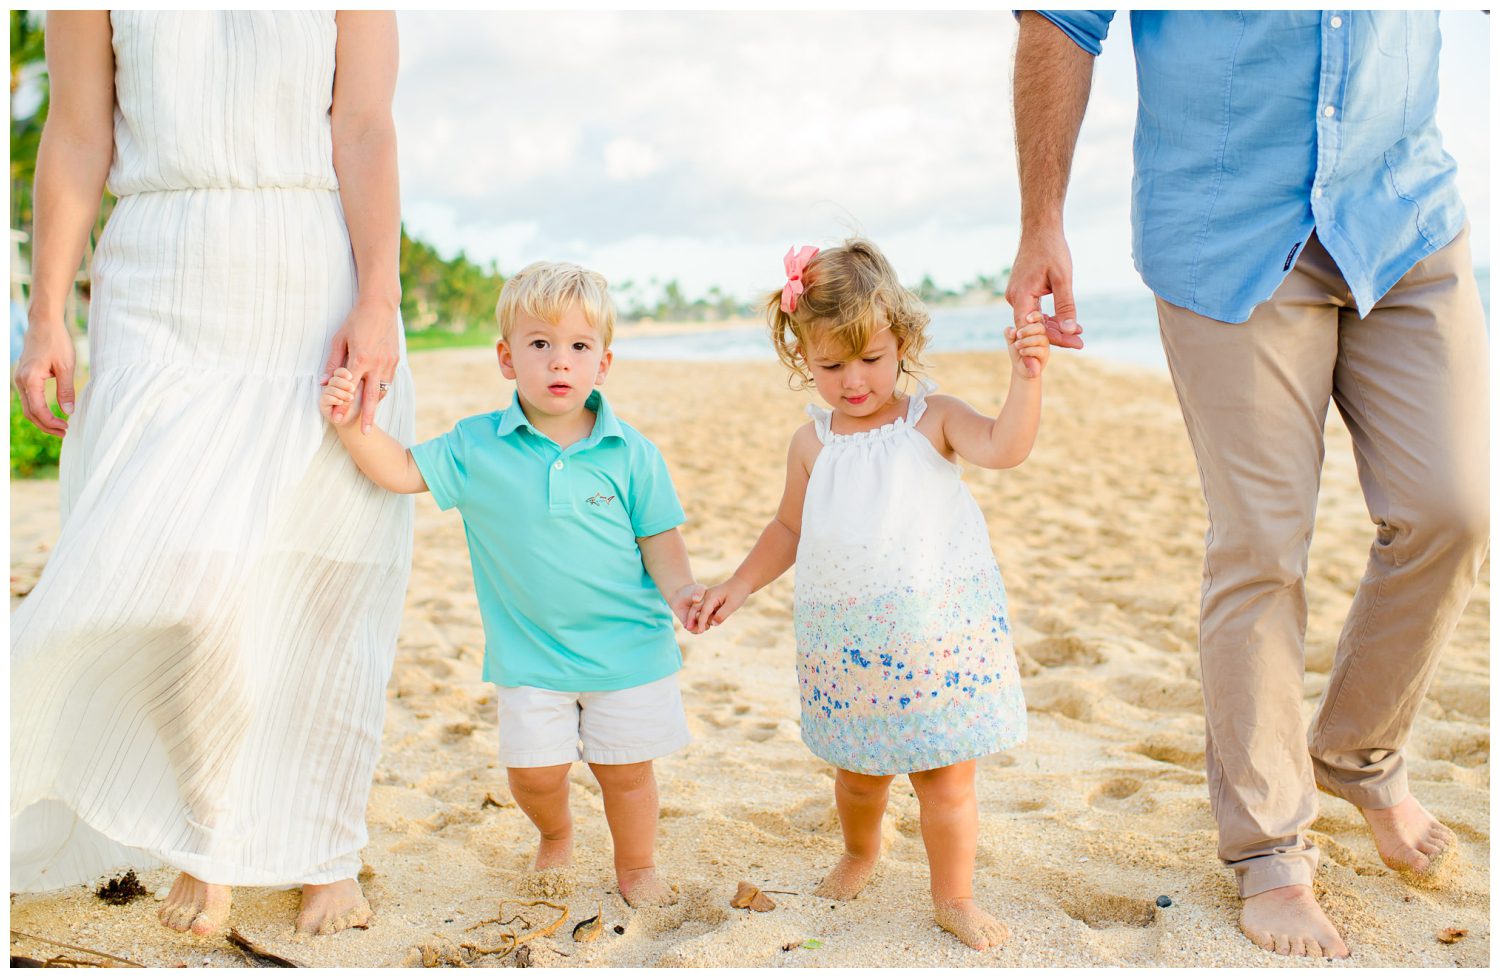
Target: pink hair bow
(795, 261)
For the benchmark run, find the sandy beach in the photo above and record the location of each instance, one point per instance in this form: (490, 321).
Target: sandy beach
(1100, 537)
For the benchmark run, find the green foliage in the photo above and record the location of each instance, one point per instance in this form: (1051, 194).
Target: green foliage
(445, 295)
(32, 452)
(26, 58)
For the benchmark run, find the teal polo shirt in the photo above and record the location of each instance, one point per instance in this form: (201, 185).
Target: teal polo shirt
(563, 593)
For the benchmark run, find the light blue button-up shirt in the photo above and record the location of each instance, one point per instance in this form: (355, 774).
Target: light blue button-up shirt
(1255, 128)
(563, 593)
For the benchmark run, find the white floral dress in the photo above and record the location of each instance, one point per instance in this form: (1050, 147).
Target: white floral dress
(904, 654)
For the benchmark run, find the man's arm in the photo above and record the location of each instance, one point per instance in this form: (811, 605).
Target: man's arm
(1051, 90)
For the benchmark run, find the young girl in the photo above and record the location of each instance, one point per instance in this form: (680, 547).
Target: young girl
(904, 655)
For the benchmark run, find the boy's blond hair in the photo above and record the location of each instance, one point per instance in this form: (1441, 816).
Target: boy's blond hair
(851, 293)
(545, 290)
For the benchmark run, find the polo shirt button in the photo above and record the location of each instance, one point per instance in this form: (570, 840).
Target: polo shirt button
(1328, 112)
(557, 465)
(1335, 22)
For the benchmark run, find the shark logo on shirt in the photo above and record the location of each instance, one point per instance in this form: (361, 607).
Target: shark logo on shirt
(600, 499)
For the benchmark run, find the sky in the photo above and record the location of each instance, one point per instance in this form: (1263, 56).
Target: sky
(701, 145)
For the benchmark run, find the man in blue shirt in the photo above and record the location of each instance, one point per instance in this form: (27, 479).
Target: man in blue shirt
(1297, 218)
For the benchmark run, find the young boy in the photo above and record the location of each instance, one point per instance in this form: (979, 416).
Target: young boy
(572, 528)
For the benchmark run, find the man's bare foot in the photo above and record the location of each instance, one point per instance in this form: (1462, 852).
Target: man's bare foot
(554, 853)
(968, 922)
(328, 908)
(846, 879)
(1289, 921)
(195, 905)
(643, 888)
(1411, 841)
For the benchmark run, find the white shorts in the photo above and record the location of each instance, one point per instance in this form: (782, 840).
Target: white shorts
(542, 727)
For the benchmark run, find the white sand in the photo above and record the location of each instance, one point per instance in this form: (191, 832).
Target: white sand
(1100, 538)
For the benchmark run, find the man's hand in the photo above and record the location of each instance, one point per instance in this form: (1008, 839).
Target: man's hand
(1044, 266)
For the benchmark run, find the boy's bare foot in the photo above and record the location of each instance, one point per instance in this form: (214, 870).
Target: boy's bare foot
(846, 879)
(643, 888)
(1289, 921)
(968, 922)
(1410, 840)
(195, 905)
(554, 853)
(331, 907)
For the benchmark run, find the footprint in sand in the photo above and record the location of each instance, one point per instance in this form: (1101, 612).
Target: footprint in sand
(763, 731)
(1175, 749)
(1121, 795)
(1469, 698)
(1466, 749)
(1100, 910)
(1063, 698)
(1158, 694)
(1063, 650)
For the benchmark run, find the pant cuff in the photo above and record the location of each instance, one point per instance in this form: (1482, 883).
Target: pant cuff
(1262, 873)
(1380, 794)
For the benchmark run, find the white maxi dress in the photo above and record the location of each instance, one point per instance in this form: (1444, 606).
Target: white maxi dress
(198, 678)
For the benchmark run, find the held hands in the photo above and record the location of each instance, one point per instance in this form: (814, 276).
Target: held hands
(367, 344)
(719, 602)
(1029, 347)
(337, 404)
(685, 604)
(1044, 266)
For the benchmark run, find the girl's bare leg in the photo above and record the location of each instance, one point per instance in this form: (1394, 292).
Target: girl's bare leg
(860, 799)
(950, 830)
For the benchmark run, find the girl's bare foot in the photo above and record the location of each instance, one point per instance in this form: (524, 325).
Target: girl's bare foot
(1289, 921)
(845, 880)
(1410, 840)
(554, 853)
(968, 922)
(643, 888)
(328, 908)
(195, 905)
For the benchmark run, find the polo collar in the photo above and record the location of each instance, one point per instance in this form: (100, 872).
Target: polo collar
(606, 425)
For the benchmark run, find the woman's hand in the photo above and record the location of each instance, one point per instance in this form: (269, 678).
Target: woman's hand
(368, 345)
(47, 354)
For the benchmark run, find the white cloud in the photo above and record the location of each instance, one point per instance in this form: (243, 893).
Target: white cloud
(699, 145)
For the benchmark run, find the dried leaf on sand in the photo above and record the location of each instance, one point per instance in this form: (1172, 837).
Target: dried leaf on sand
(751, 896)
(1452, 935)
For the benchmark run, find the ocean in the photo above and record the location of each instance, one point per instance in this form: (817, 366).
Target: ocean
(1117, 326)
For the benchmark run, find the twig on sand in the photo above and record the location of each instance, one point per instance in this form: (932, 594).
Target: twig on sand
(73, 947)
(257, 955)
(509, 941)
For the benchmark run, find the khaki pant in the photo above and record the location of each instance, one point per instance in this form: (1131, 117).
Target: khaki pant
(1410, 382)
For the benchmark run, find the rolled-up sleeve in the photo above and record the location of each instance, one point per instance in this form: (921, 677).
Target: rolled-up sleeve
(1085, 28)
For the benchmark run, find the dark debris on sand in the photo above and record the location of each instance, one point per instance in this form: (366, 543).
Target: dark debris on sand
(121, 890)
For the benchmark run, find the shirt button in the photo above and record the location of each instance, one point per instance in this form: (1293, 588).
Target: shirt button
(1317, 192)
(557, 465)
(1328, 112)
(1335, 22)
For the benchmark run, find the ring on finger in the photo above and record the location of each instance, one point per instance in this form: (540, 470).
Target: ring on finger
(384, 387)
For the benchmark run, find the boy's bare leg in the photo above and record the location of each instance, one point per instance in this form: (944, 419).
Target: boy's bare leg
(950, 830)
(195, 905)
(631, 806)
(542, 793)
(860, 799)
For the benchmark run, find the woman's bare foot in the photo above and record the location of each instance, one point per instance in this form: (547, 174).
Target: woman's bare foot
(328, 908)
(1410, 840)
(845, 880)
(1289, 921)
(195, 905)
(968, 922)
(643, 888)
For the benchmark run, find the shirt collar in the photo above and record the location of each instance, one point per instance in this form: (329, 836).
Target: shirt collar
(606, 425)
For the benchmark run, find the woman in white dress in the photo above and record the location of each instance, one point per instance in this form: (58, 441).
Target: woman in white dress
(198, 677)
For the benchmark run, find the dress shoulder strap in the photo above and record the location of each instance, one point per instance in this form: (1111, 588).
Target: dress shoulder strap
(918, 401)
(822, 421)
